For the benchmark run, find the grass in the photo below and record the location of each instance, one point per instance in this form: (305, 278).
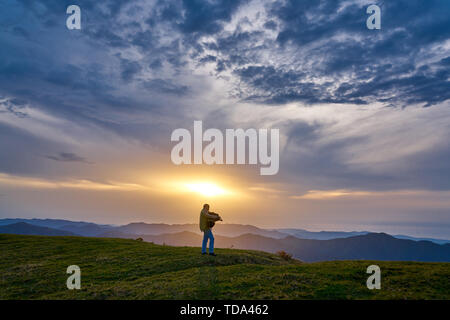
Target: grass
(34, 267)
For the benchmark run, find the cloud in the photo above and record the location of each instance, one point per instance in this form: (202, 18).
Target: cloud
(13, 106)
(67, 157)
(165, 87)
(38, 183)
(372, 148)
(139, 69)
(321, 52)
(129, 69)
(402, 198)
(206, 17)
(329, 194)
(265, 189)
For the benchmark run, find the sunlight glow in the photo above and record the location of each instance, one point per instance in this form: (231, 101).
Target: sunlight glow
(206, 189)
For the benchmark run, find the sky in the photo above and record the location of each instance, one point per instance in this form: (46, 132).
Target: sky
(86, 115)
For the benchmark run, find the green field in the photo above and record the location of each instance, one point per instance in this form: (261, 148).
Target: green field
(34, 267)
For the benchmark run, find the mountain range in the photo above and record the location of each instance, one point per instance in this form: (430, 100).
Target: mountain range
(29, 229)
(372, 246)
(305, 245)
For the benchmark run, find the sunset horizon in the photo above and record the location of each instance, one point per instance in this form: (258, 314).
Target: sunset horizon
(218, 150)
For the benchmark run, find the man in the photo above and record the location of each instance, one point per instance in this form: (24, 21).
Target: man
(207, 220)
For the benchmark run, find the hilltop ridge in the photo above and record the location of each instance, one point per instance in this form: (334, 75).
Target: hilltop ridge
(34, 267)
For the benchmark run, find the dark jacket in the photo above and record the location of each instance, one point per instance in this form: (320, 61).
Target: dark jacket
(205, 218)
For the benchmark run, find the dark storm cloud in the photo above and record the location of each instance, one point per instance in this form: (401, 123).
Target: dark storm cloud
(67, 157)
(381, 65)
(14, 106)
(21, 151)
(165, 87)
(51, 80)
(129, 69)
(42, 78)
(280, 86)
(207, 17)
(386, 65)
(270, 25)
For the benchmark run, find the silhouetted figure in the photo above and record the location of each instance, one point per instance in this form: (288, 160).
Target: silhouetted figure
(207, 221)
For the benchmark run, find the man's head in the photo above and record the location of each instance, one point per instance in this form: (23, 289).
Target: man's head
(206, 206)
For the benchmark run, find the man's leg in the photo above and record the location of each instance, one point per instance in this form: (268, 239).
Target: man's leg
(211, 242)
(205, 240)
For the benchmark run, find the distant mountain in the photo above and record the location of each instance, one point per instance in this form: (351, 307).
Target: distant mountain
(87, 229)
(136, 229)
(81, 228)
(234, 230)
(372, 246)
(139, 228)
(29, 229)
(50, 223)
(328, 235)
(438, 241)
(229, 230)
(321, 235)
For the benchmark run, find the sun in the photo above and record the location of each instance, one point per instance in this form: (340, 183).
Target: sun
(206, 189)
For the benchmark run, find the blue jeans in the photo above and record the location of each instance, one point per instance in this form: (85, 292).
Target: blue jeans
(208, 235)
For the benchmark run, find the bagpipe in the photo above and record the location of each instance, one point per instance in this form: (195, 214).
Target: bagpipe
(211, 223)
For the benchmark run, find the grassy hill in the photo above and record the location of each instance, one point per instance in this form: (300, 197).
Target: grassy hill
(372, 246)
(34, 267)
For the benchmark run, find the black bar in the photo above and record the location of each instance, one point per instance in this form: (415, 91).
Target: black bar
(262, 309)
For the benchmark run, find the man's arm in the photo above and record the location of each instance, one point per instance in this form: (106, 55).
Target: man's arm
(219, 218)
(212, 216)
